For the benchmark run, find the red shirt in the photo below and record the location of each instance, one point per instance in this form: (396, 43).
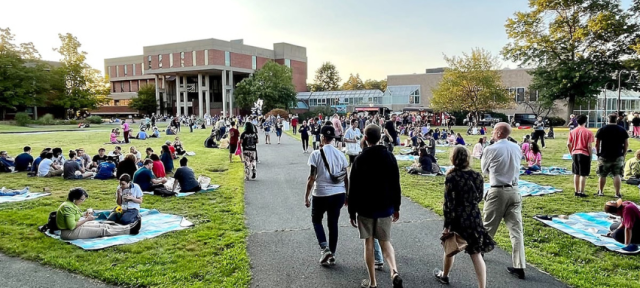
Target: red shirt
(580, 138)
(173, 151)
(630, 213)
(294, 122)
(234, 134)
(158, 169)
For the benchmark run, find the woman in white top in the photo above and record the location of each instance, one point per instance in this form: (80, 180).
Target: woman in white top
(138, 155)
(477, 149)
(352, 138)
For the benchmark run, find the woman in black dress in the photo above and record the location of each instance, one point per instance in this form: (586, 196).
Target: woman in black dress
(462, 193)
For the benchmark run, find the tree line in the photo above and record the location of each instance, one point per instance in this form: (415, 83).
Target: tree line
(328, 78)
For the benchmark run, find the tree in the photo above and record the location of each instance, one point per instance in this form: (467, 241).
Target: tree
(375, 84)
(272, 84)
(327, 78)
(575, 46)
(146, 100)
(471, 83)
(353, 83)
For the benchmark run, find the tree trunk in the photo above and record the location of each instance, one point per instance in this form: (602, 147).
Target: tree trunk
(571, 103)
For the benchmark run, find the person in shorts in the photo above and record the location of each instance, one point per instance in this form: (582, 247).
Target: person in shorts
(612, 142)
(579, 144)
(373, 205)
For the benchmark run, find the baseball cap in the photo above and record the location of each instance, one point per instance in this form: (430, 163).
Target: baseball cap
(328, 132)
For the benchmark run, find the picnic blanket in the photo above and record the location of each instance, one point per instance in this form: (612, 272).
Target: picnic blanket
(154, 224)
(443, 170)
(205, 189)
(8, 195)
(551, 171)
(568, 157)
(406, 157)
(591, 227)
(191, 153)
(407, 151)
(527, 188)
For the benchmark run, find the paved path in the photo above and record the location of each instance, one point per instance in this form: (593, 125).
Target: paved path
(284, 251)
(18, 273)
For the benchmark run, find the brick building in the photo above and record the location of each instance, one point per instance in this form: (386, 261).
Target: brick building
(195, 77)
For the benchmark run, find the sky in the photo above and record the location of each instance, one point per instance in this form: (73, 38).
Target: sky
(374, 38)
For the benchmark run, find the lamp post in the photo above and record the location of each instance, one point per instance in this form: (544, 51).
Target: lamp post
(605, 97)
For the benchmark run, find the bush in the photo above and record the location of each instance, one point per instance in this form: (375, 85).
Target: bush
(22, 119)
(94, 120)
(275, 112)
(556, 121)
(47, 119)
(73, 122)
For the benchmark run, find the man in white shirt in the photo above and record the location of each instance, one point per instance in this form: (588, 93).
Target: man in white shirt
(352, 138)
(503, 201)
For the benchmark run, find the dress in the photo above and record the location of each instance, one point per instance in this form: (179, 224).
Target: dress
(462, 193)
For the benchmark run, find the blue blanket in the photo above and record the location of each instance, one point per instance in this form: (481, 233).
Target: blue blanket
(405, 157)
(208, 189)
(22, 197)
(529, 189)
(568, 157)
(591, 227)
(154, 224)
(552, 171)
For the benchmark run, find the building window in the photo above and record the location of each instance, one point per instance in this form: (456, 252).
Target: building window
(181, 59)
(149, 62)
(533, 95)
(126, 71)
(121, 86)
(254, 62)
(414, 97)
(116, 103)
(313, 102)
(134, 69)
(519, 95)
(159, 61)
(287, 62)
(227, 58)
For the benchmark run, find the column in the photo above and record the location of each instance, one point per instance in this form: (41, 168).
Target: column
(231, 94)
(157, 95)
(186, 95)
(177, 96)
(207, 94)
(164, 95)
(200, 104)
(224, 92)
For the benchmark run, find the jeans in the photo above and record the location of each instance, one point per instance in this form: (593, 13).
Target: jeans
(331, 205)
(538, 134)
(295, 129)
(305, 142)
(377, 252)
(127, 217)
(534, 168)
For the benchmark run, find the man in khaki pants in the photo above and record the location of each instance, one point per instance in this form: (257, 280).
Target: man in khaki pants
(503, 201)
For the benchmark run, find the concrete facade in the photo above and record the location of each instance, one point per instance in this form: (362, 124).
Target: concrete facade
(197, 77)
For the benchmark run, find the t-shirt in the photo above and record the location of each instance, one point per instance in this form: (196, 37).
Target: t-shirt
(432, 146)
(267, 126)
(525, 148)
(630, 213)
(44, 167)
(158, 169)
(172, 149)
(390, 126)
(125, 126)
(579, 139)
(323, 185)
(113, 138)
(70, 168)
(460, 141)
(635, 121)
(134, 191)
(35, 164)
(187, 179)
(23, 161)
(249, 141)
(337, 125)
(138, 155)
(294, 122)
(538, 125)
(534, 158)
(612, 139)
(99, 159)
(143, 178)
(304, 131)
(142, 135)
(279, 127)
(234, 134)
(353, 134)
(105, 170)
(425, 163)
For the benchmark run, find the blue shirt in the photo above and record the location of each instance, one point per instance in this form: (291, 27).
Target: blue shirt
(142, 135)
(7, 163)
(35, 164)
(460, 141)
(23, 161)
(143, 178)
(105, 170)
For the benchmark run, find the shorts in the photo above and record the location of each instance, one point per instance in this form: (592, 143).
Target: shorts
(233, 148)
(581, 165)
(379, 228)
(338, 138)
(278, 133)
(608, 167)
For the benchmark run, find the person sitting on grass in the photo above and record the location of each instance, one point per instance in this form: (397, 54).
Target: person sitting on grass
(460, 140)
(424, 163)
(58, 158)
(149, 151)
(534, 158)
(177, 144)
(74, 170)
(23, 161)
(127, 166)
(478, 148)
(117, 154)
(156, 133)
(210, 142)
(224, 142)
(84, 158)
(141, 135)
(145, 179)
(138, 156)
(171, 149)
(167, 159)
(36, 162)
(526, 146)
(7, 164)
(74, 224)
(451, 139)
(47, 168)
(106, 169)
(98, 159)
(129, 198)
(625, 232)
(113, 137)
(186, 178)
(631, 167)
(158, 166)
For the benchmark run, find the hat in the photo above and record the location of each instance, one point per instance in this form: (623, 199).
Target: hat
(328, 132)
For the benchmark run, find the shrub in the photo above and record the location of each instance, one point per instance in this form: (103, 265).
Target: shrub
(94, 120)
(556, 121)
(73, 122)
(47, 119)
(22, 119)
(283, 113)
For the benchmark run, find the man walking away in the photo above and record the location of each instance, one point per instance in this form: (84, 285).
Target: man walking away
(503, 201)
(328, 195)
(579, 144)
(373, 205)
(390, 132)
(612, 142)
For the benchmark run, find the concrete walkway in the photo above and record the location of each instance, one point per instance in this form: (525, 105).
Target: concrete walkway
(18, 273)
(284, 251)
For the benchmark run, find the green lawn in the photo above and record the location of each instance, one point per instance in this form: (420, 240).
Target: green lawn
(38, 128)
(211, 254)
(573, 261)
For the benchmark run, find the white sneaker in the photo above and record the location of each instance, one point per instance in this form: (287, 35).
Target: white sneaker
(326, 255)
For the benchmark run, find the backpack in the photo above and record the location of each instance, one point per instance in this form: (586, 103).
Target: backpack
(162, 191)
(250, 140)
(435, 168)
(51, 225)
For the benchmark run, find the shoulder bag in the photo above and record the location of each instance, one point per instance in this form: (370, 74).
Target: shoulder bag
(335, 178)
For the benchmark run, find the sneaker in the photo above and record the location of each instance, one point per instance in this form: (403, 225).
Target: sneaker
(136, 227)
(253, 174)
(326, 254)
(516, 272)
(332, 261)
(366, 284)
(379, 266)
(396, 280)
(438, 274)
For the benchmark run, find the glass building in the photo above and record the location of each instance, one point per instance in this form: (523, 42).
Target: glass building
(394, 98)
(606, 103)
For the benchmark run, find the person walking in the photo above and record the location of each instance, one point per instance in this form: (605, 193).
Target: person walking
(234, 135)
(337, 125)
(279, 129)
(463, 190)
(352, 139)
(612, 142)
(328, 195)
(314, 127)
(249, 145)
(373, 205)
(125, 129)
(538, 131)
(294, 124)
(503, 200)
(304, 136)
(636, 125)
(579, 144)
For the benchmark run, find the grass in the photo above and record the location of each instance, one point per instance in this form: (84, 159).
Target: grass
(211, 254)
(40, 128)
(575, 262)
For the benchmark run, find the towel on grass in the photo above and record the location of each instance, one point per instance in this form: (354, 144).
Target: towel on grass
(568, 157)
(591, 227)
(527, 188)
(19, 195)
(154, 224)
(191, 153)
(550, 171)
(169, 186)
(406, 157)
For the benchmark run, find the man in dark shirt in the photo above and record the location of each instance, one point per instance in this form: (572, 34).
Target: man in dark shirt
(390, 132)
(187, 179)
(234, 135)
(145, 179)
(373, 205)
(98, 159)
(24, 160)
(612, 142)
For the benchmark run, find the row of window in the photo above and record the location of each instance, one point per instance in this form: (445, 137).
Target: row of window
(345, 101)
(124, 102)
(520, 94)
(227, 60)
(126, 70)
(118, 87)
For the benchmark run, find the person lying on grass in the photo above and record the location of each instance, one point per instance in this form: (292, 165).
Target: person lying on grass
(74, 224)
(129, 198)
(625, 232)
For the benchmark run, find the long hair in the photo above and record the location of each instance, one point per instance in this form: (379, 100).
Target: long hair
(460, 158)
(249, 128)
(535, 148)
